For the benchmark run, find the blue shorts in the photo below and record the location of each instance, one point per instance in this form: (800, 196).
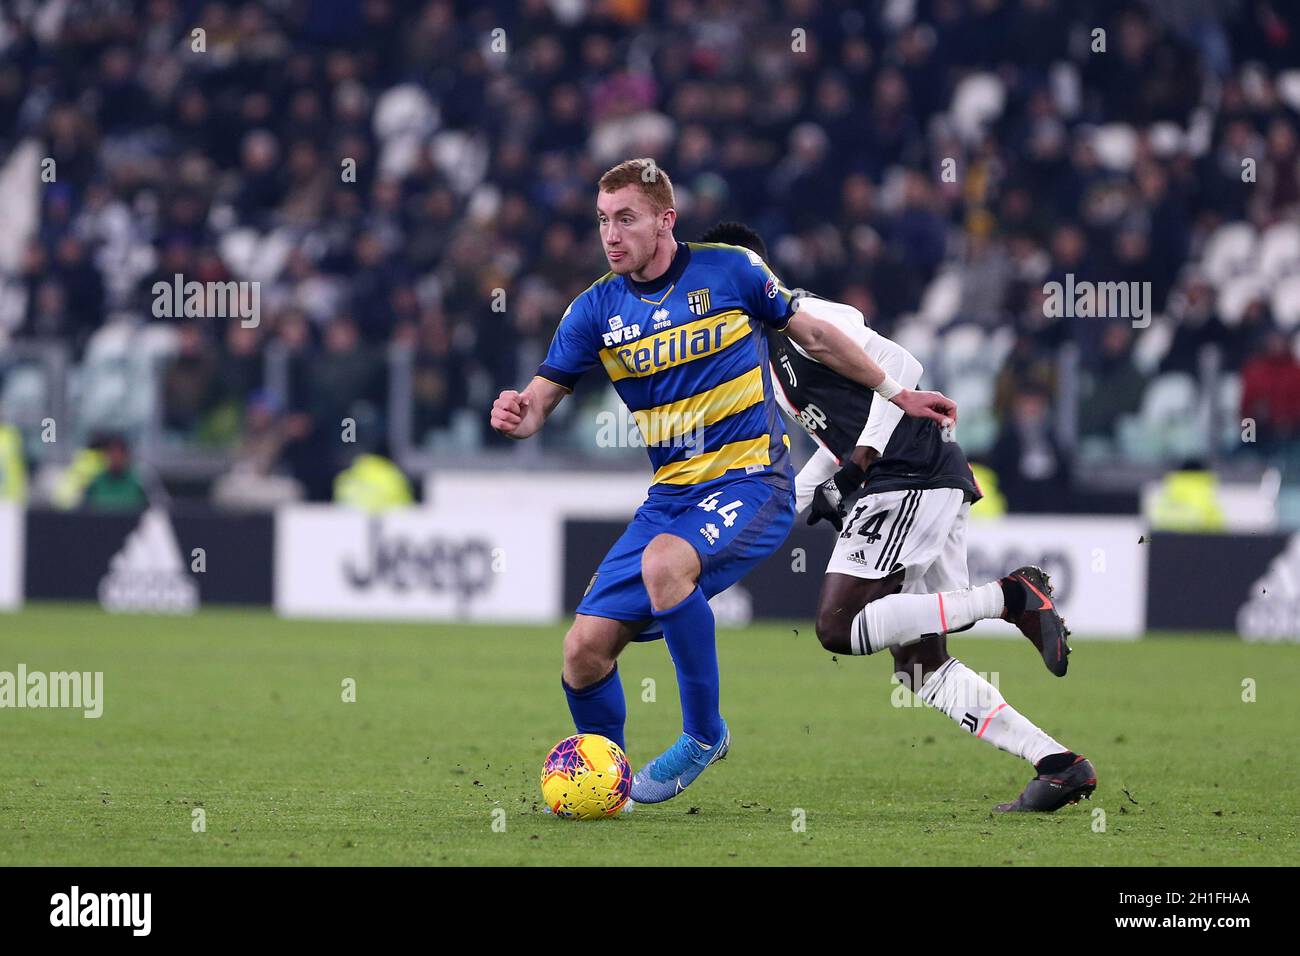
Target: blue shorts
(733, 526)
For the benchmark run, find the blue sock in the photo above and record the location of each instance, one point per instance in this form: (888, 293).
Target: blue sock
(600, 708)
(689, 634)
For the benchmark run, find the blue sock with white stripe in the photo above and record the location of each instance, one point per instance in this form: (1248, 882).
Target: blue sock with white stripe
(600, 708)
(689, 634)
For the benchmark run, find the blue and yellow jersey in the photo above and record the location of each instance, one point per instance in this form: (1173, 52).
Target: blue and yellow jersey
(687, 355)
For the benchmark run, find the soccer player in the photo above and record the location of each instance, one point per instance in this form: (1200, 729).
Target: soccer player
(676, 327)
(898, 578)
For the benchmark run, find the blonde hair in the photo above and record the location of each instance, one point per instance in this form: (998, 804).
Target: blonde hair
(646, 175)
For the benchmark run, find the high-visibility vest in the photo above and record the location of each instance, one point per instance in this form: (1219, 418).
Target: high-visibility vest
(13, 469)
(994, 503)
(71, 485)
(1188, 501)
(372, 483)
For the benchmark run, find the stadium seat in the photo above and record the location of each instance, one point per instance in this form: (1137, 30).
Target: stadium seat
(972, 390)
(942, 299)
(1170, 395)
(461, 157)
(24, 396)
(1279, 250)
(404, 119)
(1000, 343)
(1116, 145)
(1288, 88)
(918, 339)
(237, 248)
(110, 341)
(1171, 417)
(252, 256)
(978, 430)
(1288, 507)
(1095, 451)
(1229, 251)
(1135, 441)
(1286, 302)
(978, 100)
(1237, 293)
(1168, 139)
(1152, 344)
(963, 347)
(101, 394)
(157, 340)
(1228, 402)
(971, 387)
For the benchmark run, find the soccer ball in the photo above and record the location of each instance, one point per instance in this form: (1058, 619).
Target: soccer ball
(586, 777)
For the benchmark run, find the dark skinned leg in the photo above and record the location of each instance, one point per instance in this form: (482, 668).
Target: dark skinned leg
(842, 597)
(914, 663)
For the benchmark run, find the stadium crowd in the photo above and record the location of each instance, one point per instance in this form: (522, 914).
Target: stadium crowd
(886, 151)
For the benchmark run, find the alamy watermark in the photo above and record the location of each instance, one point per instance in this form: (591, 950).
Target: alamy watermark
(619, 428)
(981, 695)
(208, 300)
(77, 690)
(129, 910)
(1098, 300)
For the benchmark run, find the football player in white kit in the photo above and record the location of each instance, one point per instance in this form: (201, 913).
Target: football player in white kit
(898, 576)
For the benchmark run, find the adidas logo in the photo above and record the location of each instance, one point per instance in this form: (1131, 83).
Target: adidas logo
(1273, 612)
(858, 557)
(148, 574)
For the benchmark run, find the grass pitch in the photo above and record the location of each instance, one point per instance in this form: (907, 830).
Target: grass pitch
(241, 715)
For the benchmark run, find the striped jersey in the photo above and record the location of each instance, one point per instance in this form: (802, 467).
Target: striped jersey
(686, 354)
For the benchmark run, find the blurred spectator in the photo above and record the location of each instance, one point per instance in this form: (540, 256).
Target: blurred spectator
(1027, 367)
(372, 483)
(1270, 394)
(1187, 500)
(117, 487)
(189, 388)
(437, 376)
(1030, 465)
(256, 480)
(1113, 387)
(345, 398)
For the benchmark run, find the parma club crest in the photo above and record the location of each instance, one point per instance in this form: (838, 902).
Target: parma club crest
(698, 301)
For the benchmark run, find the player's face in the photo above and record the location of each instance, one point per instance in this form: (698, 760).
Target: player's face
(629, 229)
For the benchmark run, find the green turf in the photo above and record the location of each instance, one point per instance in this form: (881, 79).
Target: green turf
(241, 714)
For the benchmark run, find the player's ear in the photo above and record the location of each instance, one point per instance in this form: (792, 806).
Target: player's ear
(667, 220)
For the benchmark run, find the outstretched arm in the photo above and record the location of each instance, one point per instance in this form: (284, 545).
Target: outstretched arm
(522, 414)
(900, 365)
(830, 346)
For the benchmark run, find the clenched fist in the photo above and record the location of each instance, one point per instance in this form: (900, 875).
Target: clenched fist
(508, 413)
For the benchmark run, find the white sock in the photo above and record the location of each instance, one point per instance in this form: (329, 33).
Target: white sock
(906, 618)
(978, 706)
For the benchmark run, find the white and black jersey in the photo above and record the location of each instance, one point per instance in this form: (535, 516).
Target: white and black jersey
(835, 411)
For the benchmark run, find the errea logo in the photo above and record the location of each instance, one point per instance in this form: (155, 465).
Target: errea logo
(660, 319)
